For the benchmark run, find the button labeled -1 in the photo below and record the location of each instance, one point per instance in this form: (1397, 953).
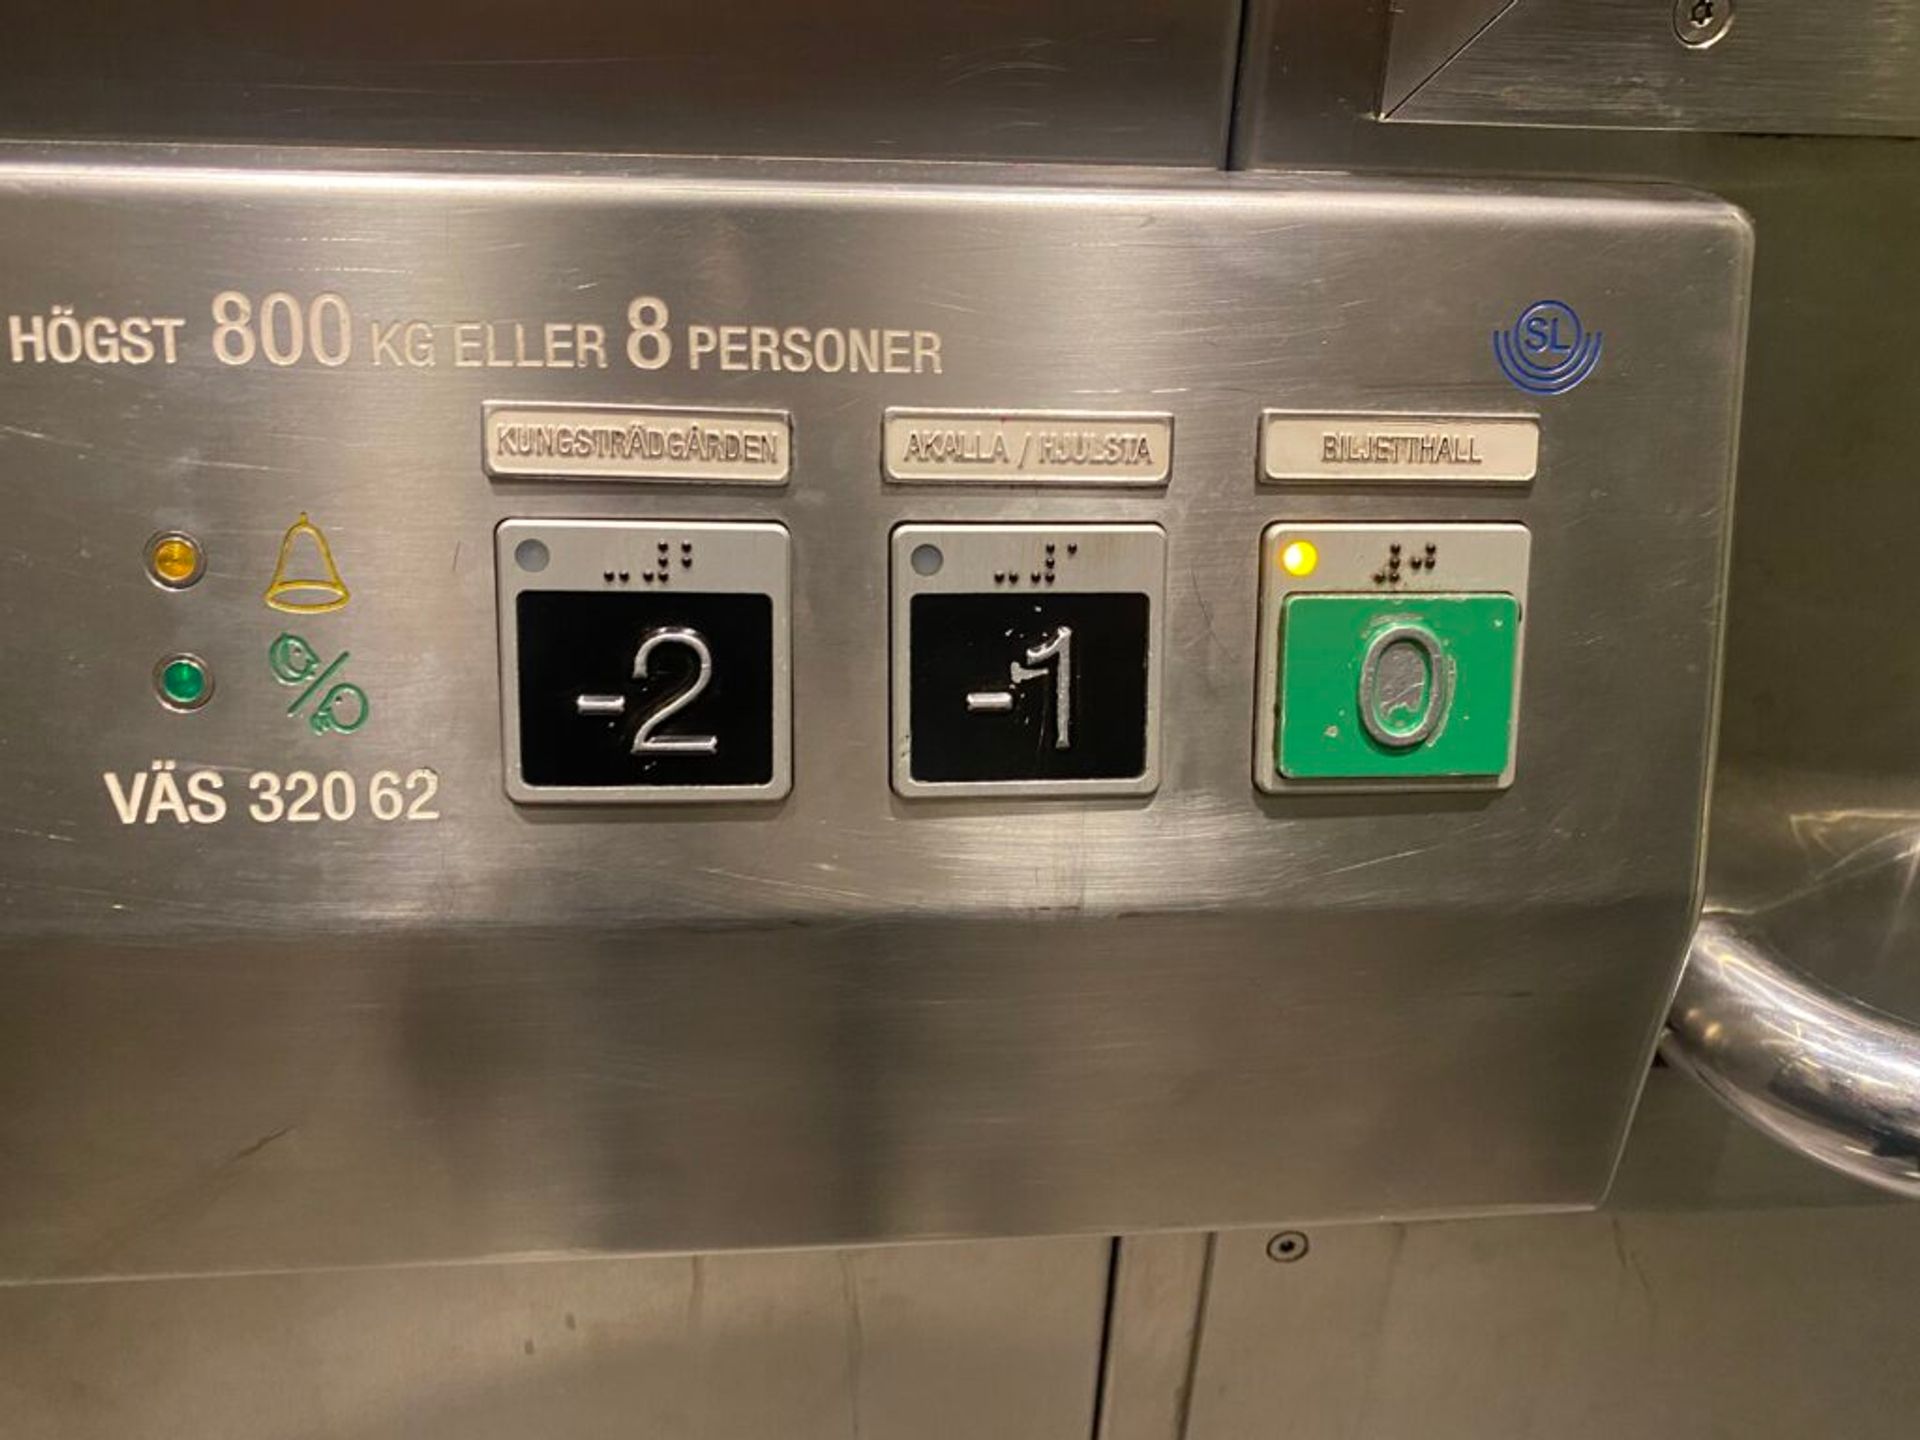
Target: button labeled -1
(644, 662)
(1026, 659)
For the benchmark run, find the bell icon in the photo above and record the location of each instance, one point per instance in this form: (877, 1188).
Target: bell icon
(300, 587)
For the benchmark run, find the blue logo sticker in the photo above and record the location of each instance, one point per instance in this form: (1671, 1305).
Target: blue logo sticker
(1546, 351)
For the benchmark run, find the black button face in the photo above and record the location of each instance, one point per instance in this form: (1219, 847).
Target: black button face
(1019, 687)
(649, 689)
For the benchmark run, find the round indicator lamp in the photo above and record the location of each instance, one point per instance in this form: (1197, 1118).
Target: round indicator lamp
(183, 682)
(1300, 558)
(175, 560)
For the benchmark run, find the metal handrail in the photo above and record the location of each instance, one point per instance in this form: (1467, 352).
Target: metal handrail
(1827, 1075)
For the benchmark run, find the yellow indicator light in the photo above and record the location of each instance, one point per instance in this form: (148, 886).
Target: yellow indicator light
(1301, 557)
(175, 560)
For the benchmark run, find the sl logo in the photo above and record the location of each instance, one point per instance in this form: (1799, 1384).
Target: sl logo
(1546, 351)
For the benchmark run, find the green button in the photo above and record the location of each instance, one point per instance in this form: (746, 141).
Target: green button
(1406, 686)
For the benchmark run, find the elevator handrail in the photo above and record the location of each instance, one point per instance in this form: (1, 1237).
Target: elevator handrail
(1820, 1071)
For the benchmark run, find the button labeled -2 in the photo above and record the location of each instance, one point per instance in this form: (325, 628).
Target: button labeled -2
(645, 661)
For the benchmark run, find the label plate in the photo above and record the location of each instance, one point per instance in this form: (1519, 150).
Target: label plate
(1004, 447)
(636, 442)
(1474, 449)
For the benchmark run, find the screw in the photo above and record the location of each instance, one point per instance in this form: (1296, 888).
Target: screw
(1287, 1247)
(1700, 23)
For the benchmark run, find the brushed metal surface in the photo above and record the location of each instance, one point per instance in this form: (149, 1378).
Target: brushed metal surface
(1423, 36)
(925, 1342)
(1159, 1293)
(1726, 1288)
(1828, 431)
(1141, 81)
(1784, 67)
(244, 1046)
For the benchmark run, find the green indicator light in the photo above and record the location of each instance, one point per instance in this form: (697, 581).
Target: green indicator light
(183, 682)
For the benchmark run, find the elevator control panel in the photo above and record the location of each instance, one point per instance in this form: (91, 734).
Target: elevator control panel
(723, 705)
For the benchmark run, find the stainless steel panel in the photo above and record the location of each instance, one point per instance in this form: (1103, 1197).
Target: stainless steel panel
(1819, 576)
(1144, 81)
(1159, 1294)
(935, 1342)
(1422, 36)
(246, 1045)
(1727, 1288)
(1782, 67)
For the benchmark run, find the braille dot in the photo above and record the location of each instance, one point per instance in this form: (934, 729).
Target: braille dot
(1073, 547)
(647, 575)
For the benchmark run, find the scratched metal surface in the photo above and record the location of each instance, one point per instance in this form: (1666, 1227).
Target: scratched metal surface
(942, 1342)
(1138, 81)
(846, 1016)
(1782, 68)
(1727, 1286)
